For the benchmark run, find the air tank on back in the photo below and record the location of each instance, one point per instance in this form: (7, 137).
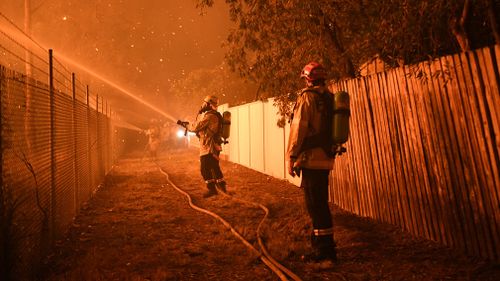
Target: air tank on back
(226, 125)
(341, 114)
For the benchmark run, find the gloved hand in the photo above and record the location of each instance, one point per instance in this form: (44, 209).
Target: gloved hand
(182, 123)
(293, 168)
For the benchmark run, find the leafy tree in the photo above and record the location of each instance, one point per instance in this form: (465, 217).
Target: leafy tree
(274, 39)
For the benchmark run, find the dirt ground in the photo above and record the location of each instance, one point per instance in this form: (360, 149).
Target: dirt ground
(138, 227)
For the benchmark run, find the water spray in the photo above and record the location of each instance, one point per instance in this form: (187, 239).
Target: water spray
(116, 86)
(84, 68)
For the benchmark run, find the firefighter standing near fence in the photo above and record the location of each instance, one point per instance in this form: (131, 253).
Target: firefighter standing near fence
(208, 130)
(310, 153)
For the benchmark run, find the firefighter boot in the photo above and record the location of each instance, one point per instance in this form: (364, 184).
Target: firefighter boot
(323, 249)
(211, 190)
(221, 184)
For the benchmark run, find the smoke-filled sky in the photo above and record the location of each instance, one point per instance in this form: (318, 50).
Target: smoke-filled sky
(142, 45)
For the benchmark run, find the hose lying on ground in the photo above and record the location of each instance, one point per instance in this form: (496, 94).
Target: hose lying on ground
(265, 257)
(259, 239)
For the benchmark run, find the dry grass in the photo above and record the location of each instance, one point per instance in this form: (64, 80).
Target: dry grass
(139, 228)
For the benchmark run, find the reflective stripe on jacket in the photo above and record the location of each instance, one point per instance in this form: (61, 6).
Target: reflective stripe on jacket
(306, 122)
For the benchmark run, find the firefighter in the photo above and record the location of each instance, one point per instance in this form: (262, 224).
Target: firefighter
(309, 152)
(207, 129)
(154, 141)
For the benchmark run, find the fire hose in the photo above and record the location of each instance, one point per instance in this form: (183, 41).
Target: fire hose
(281, 271)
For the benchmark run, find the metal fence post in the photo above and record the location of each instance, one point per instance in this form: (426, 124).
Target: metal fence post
(52, 151)
(106, 120)
(1, 137)
(112, 137)
(98, 138)
(76, 200)
(89, 145)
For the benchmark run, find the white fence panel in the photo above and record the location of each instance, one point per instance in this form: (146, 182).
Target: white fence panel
(274, 139)
(244, 135)
(256, 141)
(233, 148)
(256, 129)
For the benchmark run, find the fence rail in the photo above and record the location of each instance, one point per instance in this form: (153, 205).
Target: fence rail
(423, 151)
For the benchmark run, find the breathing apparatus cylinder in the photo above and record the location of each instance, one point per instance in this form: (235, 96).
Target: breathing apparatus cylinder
(341, 114)
(226, 125)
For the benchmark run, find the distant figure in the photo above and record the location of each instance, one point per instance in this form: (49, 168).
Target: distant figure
(308, 152)
(210, 146)
(154, 141)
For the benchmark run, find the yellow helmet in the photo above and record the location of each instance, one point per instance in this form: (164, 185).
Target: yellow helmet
(213, 100)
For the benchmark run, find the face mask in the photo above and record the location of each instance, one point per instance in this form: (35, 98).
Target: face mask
(204, 107)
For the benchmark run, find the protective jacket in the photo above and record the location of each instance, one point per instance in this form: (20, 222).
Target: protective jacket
(306, 123)
(206, 129)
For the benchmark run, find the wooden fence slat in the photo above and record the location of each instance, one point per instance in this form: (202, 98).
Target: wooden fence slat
(444, 146)
(368, 183)
(459, 101)
(492, 94)
(365, 153)
(492, 102)
(420, 114)
(385, 147)
(413, 190)
(452, 153)
(492, 91)
(348, 189)
(468, 170)
(386, 140)
(394, 154)
(366, 157)
(486, 146)
(476, 137)
(419, 97)
(380, 149)
(355, 171)
(416, 167)
(373, 150)
(401, 160)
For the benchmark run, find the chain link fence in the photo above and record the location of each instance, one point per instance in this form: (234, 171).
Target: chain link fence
(58, 141)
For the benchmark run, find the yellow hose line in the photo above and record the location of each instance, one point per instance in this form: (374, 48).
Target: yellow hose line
(264, 259)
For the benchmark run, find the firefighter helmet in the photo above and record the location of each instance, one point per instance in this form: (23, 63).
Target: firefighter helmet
(213, 100)
(313, 71)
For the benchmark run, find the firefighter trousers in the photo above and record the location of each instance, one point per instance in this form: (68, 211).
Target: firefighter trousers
(210, 171)
(315, 186)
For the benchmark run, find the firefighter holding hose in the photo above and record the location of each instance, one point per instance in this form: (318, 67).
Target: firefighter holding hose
(209, 130)
(312, 148)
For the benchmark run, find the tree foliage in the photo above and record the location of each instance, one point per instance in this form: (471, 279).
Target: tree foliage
(274, 39)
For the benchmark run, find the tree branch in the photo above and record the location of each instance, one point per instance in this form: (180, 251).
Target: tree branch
(458, 27)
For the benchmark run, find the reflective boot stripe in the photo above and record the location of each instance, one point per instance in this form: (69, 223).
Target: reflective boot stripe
(210, 181)
(325, 231)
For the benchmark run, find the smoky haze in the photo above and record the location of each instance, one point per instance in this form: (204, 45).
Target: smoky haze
(142, 46)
